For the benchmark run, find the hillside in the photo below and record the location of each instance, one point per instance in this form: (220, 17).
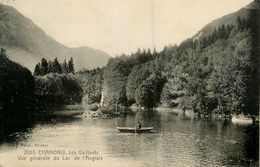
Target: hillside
(27, 43)
(244, 12)
(214, 72)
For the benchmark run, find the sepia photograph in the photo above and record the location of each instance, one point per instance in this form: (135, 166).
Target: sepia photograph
(129, 83)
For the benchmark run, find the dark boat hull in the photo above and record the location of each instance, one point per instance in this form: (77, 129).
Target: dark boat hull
(135, 130)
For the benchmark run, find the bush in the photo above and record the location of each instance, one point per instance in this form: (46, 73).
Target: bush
(57, 90)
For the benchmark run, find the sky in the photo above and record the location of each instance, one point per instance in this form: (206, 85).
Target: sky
(123, 26)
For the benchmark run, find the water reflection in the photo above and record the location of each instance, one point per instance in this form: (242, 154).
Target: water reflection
(251, 143)
(196, 142)
(177, 141)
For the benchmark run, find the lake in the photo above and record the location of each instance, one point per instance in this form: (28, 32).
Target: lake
(177, 140)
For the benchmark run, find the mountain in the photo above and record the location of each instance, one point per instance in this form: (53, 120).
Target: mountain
(245, 12)
(26, 43)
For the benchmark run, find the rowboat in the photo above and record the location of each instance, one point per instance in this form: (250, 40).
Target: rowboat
(134, 130)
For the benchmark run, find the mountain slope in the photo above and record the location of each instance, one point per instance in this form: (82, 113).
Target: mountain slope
(27, 43)
(245, 12)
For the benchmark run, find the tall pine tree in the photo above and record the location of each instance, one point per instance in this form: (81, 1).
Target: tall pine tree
(44, 66)
(65, 67)
(37, 70)
(71, 66)
(56, 66)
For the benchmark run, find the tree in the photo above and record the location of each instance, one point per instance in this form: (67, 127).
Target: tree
(91, 83)
(56, 66)
(59, 89)
(175, 87)
(44, 67)
(50, 67)
(145, 95)
(115, 77)
(149, 92)
(65, 68)
(3, 53)
(135, 78)
(16, 95)
(71, 66)
(37, 70)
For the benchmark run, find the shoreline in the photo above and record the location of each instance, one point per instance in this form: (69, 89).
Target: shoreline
(109, 112)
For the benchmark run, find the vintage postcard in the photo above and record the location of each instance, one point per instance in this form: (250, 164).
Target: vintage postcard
(129, 83)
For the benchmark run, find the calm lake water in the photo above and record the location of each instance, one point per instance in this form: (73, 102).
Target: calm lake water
(176, 141)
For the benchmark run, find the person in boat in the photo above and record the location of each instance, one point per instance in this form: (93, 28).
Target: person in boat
(139, 125)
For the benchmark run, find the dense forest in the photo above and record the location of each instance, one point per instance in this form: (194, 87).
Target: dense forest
(45, 67)
(16, 94)
(23, 97)
(56, 85)
(213, 74)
